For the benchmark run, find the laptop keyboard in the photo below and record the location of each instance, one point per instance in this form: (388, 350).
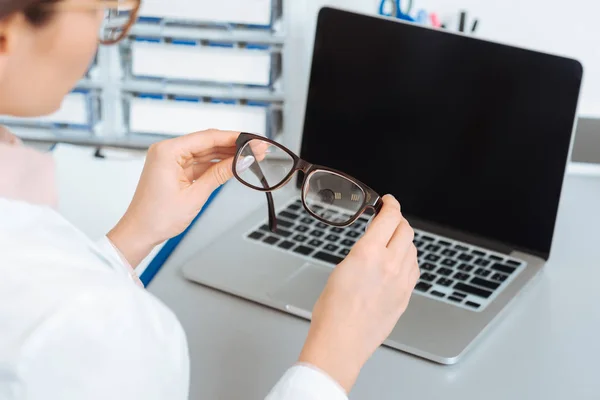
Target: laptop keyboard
(453, 272)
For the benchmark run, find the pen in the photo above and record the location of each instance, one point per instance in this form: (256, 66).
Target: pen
(463, 17)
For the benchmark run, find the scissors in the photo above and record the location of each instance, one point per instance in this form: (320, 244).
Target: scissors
(396, 9)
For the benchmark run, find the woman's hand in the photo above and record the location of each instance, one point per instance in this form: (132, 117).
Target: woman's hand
(364, 298)
(178, 177)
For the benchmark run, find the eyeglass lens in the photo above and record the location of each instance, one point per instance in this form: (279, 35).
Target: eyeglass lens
(255, 169)
(116, 20)
(332, 197)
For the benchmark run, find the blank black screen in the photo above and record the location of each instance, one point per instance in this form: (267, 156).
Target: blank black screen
(466, 133)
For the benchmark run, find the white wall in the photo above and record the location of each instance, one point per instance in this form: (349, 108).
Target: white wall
(569, 28)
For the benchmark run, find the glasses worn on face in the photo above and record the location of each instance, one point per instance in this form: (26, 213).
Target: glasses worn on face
(119, 15)
(328, 195)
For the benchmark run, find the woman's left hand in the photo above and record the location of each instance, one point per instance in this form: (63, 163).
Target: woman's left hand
(178, 177)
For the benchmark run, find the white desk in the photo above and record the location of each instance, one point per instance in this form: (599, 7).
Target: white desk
(546, 347)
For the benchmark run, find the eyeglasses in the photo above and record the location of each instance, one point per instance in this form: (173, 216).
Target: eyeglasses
(119, 16)
(328, 195)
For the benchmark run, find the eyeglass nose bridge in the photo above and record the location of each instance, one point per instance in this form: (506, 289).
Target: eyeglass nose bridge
(304, 166)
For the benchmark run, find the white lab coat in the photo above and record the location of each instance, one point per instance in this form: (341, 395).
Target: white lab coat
(75, 325)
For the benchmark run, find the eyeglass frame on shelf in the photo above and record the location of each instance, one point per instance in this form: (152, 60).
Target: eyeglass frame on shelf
(372, 200)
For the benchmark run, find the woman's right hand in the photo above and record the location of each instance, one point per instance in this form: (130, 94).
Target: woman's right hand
(364, 298)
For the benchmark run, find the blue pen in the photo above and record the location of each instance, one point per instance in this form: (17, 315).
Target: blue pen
(396, 10)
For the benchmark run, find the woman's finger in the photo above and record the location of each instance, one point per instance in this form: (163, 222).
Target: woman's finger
(213, 177)
(402, 238)
(383, 226)
(199, 142)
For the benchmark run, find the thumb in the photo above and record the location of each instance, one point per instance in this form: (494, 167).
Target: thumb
(215, 176)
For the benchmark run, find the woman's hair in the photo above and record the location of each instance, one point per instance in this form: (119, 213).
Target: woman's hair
(34, 10)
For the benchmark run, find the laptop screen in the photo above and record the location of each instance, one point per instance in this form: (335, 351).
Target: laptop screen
(467, 134)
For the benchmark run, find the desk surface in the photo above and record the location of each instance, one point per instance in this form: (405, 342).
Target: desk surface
(545, 347)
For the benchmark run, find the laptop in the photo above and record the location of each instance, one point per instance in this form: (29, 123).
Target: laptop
(472, 137)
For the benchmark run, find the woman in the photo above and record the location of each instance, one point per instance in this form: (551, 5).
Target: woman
(75, 322)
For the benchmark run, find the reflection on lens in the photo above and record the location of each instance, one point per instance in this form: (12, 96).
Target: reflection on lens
(255, 169)
(332, 197)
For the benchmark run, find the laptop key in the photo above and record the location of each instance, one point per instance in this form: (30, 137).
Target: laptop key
(428, 266)
(317, 233)
(353, 234)
(322, 225)
(283, 233)
(283, 223)
(445, 271)
(463, 287)
(461, 276)
(418, 243)
(478, 253)
(499, 277)
(445, 282)
(449, 253)
(437, 294)
(271, 240)
(307, 220)
(348, 242)
(495, 258)
(331, 247)
(503, 268)
(482, 262)
(345, 252)
(455, 299)
(482, 272)
(315, 243)
(473, 304)
(300, 238)
(330, 258)
(294, 207)
(461, 248)
(428, 277)
(337, 230)
(444, 243)
(433, 248)
(304, 250)
(256, 235)
(465, 257)
(485, 283)
(332, 238)
(264, 228)
(449, 263)
(465, 267)
(428, 238)
(432, 257)
(301, 228)
(286, 245)
(288, 215)
(423, 287)
(513, 262)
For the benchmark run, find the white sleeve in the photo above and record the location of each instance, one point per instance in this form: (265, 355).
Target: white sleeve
(110, 251)
(113, 343)
(305, 382)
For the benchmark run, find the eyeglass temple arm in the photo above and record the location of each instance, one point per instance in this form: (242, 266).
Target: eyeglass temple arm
(255, 168)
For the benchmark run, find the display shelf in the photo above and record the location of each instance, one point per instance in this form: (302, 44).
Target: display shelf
(210, 33)
(214, 91)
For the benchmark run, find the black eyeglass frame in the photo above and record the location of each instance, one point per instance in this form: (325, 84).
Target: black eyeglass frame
(371, 200)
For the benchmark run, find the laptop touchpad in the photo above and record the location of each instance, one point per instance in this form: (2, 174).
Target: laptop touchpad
(303, 288)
